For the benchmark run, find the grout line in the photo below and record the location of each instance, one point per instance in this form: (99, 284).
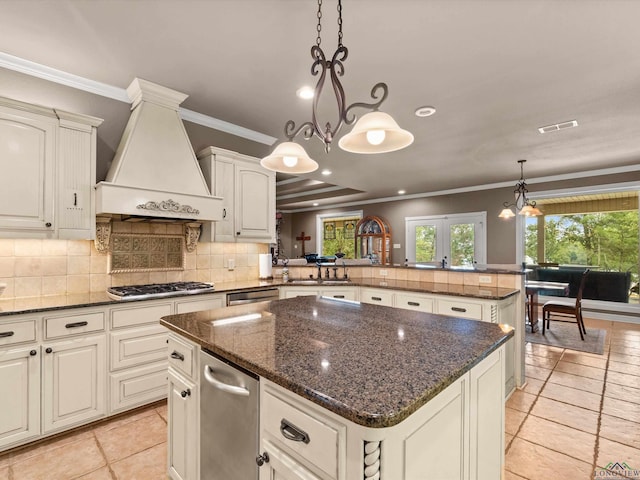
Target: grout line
(104, 455)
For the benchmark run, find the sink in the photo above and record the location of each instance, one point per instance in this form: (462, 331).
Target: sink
(314, 281)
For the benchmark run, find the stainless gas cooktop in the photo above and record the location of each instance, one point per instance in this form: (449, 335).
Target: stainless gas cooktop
(155, 290)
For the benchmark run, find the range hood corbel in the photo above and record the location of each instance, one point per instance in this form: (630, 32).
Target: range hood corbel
(155, 172)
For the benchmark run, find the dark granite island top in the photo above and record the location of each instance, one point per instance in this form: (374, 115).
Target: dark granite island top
(370, 364)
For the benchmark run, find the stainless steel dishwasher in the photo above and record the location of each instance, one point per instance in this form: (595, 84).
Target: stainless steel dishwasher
(228, 420)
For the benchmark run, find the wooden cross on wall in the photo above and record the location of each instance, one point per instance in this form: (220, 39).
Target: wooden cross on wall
(303, 239)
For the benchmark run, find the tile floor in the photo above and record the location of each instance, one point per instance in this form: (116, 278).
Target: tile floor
(577, 413)
(129, 447)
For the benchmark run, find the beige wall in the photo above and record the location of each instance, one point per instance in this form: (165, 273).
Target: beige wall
(501, 234)
(57, 267)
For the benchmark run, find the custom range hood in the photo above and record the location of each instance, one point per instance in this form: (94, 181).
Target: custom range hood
(155, 173)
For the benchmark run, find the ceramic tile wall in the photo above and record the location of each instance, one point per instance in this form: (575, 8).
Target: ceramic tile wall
(56, 267)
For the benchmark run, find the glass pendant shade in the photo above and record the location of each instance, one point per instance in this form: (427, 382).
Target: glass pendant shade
(376, 132)
(506, 213)
(289, 157)
(527, 211)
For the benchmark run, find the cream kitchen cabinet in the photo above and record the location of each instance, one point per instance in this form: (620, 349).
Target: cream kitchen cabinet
(48, 160)
(183, 409)
(377, 296)
(248, 193)
(338, 292)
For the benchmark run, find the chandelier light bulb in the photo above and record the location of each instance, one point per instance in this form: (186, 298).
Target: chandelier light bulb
(290, 161)
(375, 137)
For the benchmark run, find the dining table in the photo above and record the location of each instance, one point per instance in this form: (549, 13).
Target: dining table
(532, 290)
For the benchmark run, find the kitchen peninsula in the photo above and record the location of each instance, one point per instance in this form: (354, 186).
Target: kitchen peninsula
(380, 392)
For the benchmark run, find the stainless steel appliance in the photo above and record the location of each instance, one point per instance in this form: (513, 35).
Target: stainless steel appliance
(153, 290)
(252, 296)
(228, 420)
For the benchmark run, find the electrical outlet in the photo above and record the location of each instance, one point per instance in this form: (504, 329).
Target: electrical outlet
(383, 273)
(484, 279)
(231, 263)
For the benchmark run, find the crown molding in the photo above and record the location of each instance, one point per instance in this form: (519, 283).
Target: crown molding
(17, 64)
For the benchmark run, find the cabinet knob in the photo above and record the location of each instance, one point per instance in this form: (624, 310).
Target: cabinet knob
(238, 233)
(33, 353)
(185, 393)
(262, 459)
(49, 350)
(48, 224)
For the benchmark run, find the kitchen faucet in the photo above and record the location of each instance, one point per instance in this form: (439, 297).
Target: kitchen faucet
(319, 270)
(444, 262)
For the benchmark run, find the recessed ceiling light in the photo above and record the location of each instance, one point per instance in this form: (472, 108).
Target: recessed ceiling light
(305, 92)
(326, 171)
(315, 204)
(401, 192)
(425, 111)
(558, 126)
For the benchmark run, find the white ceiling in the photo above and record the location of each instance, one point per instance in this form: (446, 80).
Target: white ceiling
(496, 70)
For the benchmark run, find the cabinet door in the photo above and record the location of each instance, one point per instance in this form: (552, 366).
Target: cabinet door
(290, 292)
(183, 428)
(224, 230)
(376, 296)
(27, 158)
(74, 381)
(20, 400)
(255, 214)
(283, 467)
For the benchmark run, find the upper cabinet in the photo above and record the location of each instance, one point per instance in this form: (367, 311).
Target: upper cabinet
(48, 164)
(249, 197)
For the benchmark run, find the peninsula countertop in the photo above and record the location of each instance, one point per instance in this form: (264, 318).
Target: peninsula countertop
(370, 364)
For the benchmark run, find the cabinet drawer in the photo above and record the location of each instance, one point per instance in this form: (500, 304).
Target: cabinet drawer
(130, 317)
(136, 346)
(414, 302)
(138, 386)
(377, 297)
(200, 305)
(56, 327)
(182, 356)
(320, 447)
(17, 332)
(460, 309)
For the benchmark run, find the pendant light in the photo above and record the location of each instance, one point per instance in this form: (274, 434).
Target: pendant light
(522, 204)
(375, 132)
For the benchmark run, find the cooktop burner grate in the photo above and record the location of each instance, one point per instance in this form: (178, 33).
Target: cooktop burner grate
(153, 290)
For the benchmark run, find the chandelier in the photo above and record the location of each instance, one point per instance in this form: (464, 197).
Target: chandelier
(375, 132)
(522, 204)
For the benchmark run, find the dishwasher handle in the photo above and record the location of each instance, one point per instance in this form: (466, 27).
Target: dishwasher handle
(225, 387)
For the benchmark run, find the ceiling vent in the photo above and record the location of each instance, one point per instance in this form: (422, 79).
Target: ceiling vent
(558, 126)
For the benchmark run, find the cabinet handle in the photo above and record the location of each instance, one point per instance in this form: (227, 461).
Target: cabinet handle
(377, 299)
(76, 324)
(49, 350)
(413, 304)
(7, 334)
(224, 213)
(338, 296)
(177, 356)
(458, 309)
(185, 393)
(262, 459)
(33, 353)
(75, 199)
(238, 233)
(48, 224)
(291, 432)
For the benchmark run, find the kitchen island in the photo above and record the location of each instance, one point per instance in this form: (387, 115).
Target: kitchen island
(386, 393)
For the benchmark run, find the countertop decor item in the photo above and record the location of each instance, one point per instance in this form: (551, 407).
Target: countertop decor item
(375, 132)
(522, 204)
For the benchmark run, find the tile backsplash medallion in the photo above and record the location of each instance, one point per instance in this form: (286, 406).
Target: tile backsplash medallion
(55, 267)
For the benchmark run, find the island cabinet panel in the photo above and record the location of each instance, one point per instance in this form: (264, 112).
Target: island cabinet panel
(20, 401)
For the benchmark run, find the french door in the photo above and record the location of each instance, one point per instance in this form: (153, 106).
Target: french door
(460, 239)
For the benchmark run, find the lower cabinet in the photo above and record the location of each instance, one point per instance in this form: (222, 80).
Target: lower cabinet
(183, 409)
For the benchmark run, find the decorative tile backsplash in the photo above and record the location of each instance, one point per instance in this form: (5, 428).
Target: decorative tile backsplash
(138, 253)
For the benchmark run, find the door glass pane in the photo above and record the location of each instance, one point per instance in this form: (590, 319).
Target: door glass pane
(426, 243)
(462, 238)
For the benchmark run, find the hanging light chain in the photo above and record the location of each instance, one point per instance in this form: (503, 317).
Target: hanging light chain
(339, 23)
(319, 26)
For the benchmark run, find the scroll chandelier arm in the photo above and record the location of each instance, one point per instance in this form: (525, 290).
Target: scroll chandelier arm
(370, 106)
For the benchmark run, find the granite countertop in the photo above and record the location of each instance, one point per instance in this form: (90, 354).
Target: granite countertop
(370, 364)
(490, 293)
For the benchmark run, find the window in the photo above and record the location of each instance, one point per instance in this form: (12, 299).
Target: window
(458, 238)
(336, 233)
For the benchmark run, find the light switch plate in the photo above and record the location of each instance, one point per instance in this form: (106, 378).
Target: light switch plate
(231, 263)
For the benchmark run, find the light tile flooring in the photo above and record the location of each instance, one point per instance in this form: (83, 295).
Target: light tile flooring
(129, 447)
(577, 413)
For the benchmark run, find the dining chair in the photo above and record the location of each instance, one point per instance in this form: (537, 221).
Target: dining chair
(566, 309)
